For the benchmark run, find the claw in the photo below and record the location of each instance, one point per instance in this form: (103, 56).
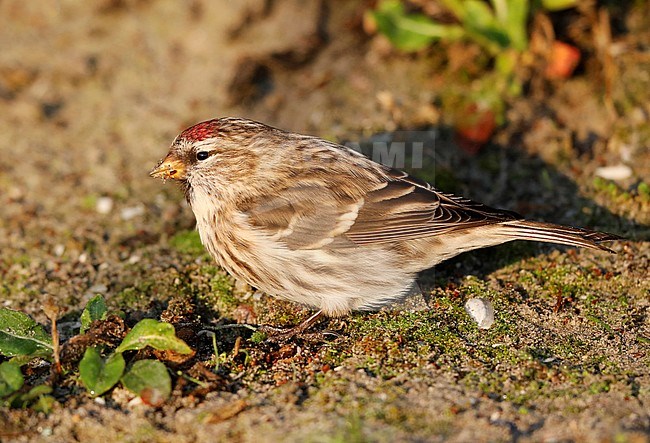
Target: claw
(279, 335)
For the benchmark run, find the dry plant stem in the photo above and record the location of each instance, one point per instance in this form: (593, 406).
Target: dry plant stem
(55, 344)
(602, 34)
(236, 348)
(52, 311)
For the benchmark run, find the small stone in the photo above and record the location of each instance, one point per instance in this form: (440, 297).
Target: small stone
(59, 250)
(481, 311)
(104, 205)
(15, 194)
(386, 100)
(132, 212)
(241, 287)
(617, 172)
(137, 401)
(98, 289)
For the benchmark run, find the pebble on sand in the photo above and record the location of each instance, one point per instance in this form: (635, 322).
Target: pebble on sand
(481, 311)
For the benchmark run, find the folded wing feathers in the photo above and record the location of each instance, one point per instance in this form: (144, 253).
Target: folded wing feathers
(402, 208)
(547, 232)
(408, 208)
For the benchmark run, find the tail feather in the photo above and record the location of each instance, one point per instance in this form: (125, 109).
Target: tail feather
(548, 232)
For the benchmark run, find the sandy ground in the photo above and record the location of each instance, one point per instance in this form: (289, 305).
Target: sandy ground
(91, 95)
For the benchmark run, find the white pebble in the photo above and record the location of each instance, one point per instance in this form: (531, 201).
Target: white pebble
(98, 289)
(104, 205)
(481, 311)
(59, 250)
(132, 212)
(618, 172)
(137, 401)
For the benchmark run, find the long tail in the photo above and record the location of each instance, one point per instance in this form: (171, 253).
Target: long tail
(548, 232)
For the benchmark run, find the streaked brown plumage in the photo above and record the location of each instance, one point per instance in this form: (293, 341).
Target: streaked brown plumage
(317, 223)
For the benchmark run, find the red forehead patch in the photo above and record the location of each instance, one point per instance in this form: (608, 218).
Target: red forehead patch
(201, 131)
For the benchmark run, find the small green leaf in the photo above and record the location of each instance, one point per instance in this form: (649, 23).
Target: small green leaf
(98, 375)
(150, 380)
(482, 26)
(44, 404)
(158, 335)
(24, 400)
(515, 22)
(11, 379)
(411, 32)
(95, 310)
(558, 5)
(36, 392)
(20, 335)
(21, 360)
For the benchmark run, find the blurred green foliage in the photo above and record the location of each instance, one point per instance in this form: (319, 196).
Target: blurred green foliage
(499, 27)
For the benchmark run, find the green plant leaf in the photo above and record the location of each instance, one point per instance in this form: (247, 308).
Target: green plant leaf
(482, 26)
(11, 379)
(150, 380)
(24, 400)
(158, 335)
(44, 404)
(411, 32)
(98, 375)
(558, 5)
(36, 392)
(20, 335)
(21, 360)
(95, 310)
(515, 20)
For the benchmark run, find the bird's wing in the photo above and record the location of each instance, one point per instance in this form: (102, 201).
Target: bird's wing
(312, 216)
(305, 216)
(408, 208)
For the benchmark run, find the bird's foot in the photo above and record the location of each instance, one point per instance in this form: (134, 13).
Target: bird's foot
(275, 334)
(282, 335)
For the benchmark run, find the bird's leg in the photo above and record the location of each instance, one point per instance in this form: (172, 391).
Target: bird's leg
(276, 334)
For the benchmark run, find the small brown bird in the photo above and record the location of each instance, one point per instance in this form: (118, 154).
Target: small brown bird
(317, 223)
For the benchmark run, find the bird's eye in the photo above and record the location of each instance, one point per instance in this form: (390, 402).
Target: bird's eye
(202, 155)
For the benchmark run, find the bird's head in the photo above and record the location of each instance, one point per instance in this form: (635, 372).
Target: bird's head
(220, 156)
